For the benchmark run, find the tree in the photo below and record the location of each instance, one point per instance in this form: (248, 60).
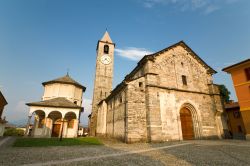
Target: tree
(224, 92)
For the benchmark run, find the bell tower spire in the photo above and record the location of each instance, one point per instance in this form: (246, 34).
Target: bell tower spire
(106, 37)
(103, 75)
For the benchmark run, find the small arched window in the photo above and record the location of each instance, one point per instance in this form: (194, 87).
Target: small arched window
(106, 49)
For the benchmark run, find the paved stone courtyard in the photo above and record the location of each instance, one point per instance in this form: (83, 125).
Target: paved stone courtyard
(212, 152)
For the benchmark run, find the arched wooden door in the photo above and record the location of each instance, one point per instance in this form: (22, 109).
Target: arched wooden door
(56, 128)
(186, 124)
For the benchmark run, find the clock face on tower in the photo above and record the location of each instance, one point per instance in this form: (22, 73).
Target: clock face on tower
(105, 59)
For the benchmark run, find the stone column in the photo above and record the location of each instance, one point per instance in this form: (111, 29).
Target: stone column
(45, 127)
(28, 125)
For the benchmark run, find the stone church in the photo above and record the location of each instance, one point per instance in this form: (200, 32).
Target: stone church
(169, 95)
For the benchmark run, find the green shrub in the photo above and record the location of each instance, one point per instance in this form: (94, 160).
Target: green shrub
(13, 132)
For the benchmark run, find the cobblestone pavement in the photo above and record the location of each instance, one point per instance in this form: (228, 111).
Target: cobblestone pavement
(214, 152)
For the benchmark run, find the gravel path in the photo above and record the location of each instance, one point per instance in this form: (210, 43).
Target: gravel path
(117, 153)
(6, 142)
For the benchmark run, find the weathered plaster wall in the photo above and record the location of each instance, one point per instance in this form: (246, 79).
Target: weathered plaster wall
(48, 123)
(71, 92)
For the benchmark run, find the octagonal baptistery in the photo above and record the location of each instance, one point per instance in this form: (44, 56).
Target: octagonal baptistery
(64, 87)
(59, 111)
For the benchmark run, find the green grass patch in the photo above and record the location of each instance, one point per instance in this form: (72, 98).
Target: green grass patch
(43, 142)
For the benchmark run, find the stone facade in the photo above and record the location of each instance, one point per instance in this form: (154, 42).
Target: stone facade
(146, 105)
(103, 76)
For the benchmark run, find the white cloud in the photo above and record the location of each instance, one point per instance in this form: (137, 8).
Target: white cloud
(210, 9)
(198, 3)
(132, 53)
(205, 6)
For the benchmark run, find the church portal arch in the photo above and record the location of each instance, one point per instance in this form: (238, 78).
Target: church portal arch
(189, 120)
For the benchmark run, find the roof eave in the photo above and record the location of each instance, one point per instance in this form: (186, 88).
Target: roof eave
(231, 67)
(39, 105)
(52, 82)
(210, 69)
(117, 88)
(5, 101)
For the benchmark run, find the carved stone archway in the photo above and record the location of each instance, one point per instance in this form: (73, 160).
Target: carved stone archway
(190, 124)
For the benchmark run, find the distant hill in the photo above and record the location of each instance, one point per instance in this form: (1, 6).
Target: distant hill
(20, 122)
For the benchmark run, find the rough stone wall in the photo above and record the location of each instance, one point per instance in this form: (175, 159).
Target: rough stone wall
(171, 65)
(103, 82)
(116, 116)
(154, 127)
(154, 96)
(219, 109)
(126, 115)
(164, 114)
(101, 119)
(119, 121)
(166, 94)
(136, 114)
(110, 123)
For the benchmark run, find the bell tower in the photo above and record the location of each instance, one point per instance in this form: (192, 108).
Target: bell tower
(103, 76)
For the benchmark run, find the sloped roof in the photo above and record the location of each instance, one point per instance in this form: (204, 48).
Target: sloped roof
(106, 37)
(226, 69)
(61, 102)
(151, 57)
(3, 98)
(65, 80)
(182, 43)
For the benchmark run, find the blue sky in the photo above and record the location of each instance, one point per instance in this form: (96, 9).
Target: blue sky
(40, 40)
